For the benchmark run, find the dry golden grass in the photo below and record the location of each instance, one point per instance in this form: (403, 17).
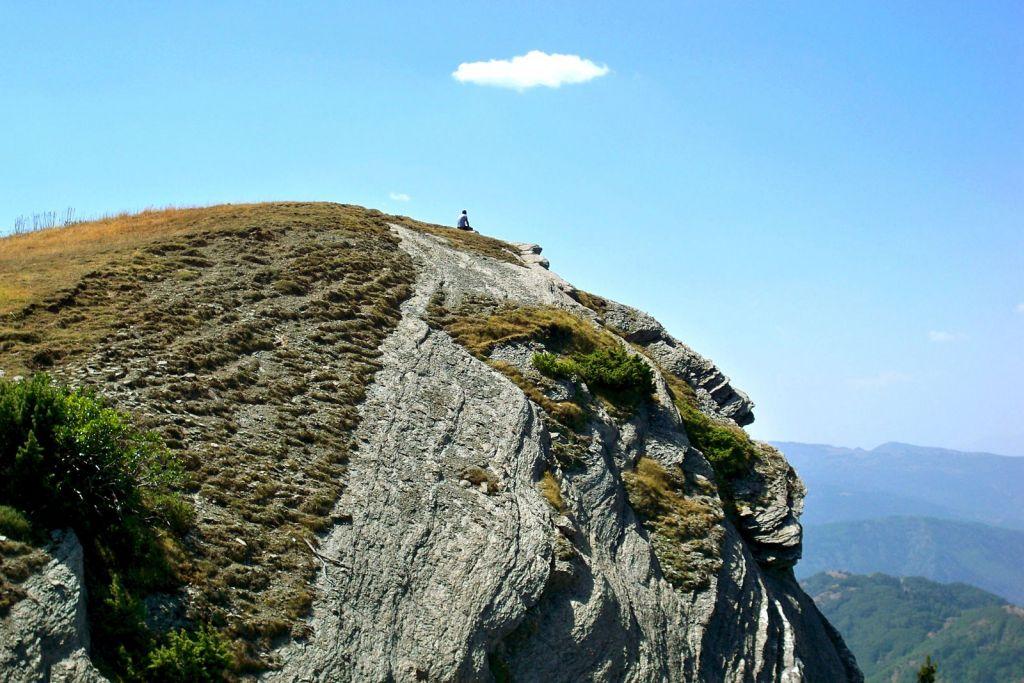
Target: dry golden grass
(551, 491)
(595, 303)
(201, 318)
(686, 534)
(104, 265)
(565, 412)
(18, 561)
(35, 265)
(482, 326)
(562, 330)
(477, 475)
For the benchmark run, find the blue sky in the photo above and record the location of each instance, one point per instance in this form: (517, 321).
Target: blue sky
(825, 198)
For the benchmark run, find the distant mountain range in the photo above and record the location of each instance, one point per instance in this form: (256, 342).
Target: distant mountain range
(895, 479)
(938, 549)
(891, 624)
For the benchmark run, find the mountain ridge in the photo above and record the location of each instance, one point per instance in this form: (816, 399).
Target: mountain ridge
(358, 400)
(904, 480)
(940, 550)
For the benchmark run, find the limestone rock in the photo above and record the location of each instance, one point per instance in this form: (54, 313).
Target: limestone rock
(440, 580)
(446, 561)
(45, 636)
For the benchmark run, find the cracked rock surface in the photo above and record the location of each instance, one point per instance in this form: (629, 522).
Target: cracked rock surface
(439, 578)
(45, 636)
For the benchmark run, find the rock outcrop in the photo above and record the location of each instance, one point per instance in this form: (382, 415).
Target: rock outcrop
(45, 636)
(442, 579)
(476, 537)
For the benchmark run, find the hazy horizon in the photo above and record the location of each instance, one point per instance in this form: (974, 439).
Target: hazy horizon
(867, 449)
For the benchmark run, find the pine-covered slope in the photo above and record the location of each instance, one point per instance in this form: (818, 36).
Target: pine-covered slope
(892, 624)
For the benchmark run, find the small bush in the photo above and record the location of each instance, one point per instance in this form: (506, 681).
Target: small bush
(552, 366)
(202, 655)
(13, 524)
(66, 460)
(120, 617)
(727, 447)
(613, 372)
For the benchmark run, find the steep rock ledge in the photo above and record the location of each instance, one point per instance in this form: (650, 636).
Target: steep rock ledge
(442, 579)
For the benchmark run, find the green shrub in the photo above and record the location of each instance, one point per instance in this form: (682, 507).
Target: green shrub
(552, 366)
(14, 525)
(120, 618)
(67, 460)
(726, 446)
(201, 655)
(927, 672)
(613, 372)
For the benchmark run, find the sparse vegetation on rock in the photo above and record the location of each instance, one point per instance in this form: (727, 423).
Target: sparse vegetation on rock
(685, 533)
(201, 656)
(67, 460)
(465, 240)
(552, 491)
(341, 447)
(614, 373)
(182, 314)
(727, 447)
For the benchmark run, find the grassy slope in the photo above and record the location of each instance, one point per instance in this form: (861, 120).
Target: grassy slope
(246, 336)
(891, 624)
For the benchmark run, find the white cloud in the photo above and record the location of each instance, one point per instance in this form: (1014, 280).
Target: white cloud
(942, 337)
(399, 196)
(530, 70)
(882, 379)
(1019, 307)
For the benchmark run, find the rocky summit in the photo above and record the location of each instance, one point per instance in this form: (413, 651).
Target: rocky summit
(411, 454)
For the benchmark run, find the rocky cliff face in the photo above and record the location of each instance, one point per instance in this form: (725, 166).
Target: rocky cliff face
(440, 580)
(490, 529)
(45, 636)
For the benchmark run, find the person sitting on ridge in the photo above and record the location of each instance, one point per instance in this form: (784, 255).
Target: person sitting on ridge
(464, 221)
